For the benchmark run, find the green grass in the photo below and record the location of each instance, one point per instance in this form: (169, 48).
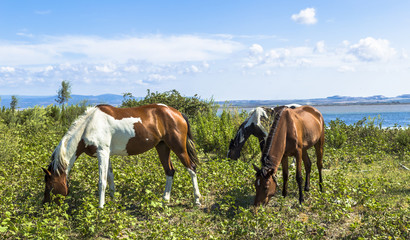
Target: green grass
(367, 194)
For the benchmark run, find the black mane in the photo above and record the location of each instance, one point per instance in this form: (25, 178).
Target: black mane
(266, 160)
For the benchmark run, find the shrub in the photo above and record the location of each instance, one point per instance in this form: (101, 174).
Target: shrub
(336, 134)
(190, 106)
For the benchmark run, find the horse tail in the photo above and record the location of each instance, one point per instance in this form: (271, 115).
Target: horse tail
(190, 146)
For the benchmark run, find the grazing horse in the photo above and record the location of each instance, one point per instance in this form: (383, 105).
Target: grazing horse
(257, 123)
(293, 132)
(104, 130)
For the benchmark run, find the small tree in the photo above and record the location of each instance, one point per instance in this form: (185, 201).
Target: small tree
(14, 102)
(64, 93)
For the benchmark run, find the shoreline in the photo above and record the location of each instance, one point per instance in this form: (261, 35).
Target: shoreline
(232, 105)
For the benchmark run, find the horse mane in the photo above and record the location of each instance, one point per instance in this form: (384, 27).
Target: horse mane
(255, 116)
(70, 140)
(267, 162)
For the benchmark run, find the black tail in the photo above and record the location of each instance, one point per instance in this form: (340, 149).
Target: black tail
(190, 144)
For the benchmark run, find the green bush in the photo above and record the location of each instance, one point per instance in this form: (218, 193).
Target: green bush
(403, 139)
(336, 133)
(190, 106)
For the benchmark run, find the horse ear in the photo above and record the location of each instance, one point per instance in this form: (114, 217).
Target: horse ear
(46, 171)
(255, 167)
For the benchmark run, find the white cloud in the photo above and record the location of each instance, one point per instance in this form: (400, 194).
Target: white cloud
(370, 49)
(345, 68)
(305, 16)
(23, 34)
(158, 49)
(194, 69)
(278, 57)
(49, 68)
(159, 77)
(106, 68)
(320, 47)
(255, 49)
(132, 68)
(7, 69)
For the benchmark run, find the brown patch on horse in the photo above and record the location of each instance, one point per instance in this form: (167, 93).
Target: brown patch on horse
(90, 150)
(120, 113)
(55, 183)
(142, 141)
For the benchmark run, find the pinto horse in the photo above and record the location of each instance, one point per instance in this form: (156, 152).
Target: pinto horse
(104, 130)
(257, 123)
(293, 132)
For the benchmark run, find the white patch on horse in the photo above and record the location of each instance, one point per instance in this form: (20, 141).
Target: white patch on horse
(255, 118)
(194, 179)
(106, 131)
(168, 187)
(293, 105)
(64, 154)
(161, 104)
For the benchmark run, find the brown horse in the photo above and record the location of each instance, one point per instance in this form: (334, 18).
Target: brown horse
(293, 132)
(105, 130)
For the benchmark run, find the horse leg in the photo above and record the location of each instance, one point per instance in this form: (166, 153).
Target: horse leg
(103, 156)
(180, 149)
(184, 157)
(285, 173)
(319, 156)
(299, 178)
(308, 168)
(110, 178)
(194, 179)
(165, 158)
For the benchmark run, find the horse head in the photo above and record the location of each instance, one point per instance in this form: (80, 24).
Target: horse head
(55, 183)
(238, 141)
(265, 185)
(234, 149)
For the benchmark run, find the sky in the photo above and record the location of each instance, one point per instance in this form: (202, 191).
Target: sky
(221, 50)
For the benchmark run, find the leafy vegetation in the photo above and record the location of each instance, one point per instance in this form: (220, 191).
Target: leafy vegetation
(190, 106)
(366, 189)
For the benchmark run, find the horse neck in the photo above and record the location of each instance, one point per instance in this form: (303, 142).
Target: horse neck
(255, 119)
(276, 143)
(242, 135)
(66, 152)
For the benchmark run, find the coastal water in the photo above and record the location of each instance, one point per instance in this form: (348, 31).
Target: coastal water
(386, 115)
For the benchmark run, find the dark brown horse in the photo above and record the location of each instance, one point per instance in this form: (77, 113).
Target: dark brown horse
(105, 130)
(293, 132)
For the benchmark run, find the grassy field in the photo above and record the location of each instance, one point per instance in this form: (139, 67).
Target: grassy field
(367, 191)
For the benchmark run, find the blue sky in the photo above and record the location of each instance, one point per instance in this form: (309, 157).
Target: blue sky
(224, 50)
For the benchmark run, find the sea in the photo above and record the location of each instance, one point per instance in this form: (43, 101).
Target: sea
(389, 115)
(383, 115)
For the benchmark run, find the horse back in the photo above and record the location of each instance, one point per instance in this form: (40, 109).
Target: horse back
(309, 125)
(130, 131)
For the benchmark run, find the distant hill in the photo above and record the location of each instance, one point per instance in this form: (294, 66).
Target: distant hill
(116, 100)
(31, 101)
(332, 100)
